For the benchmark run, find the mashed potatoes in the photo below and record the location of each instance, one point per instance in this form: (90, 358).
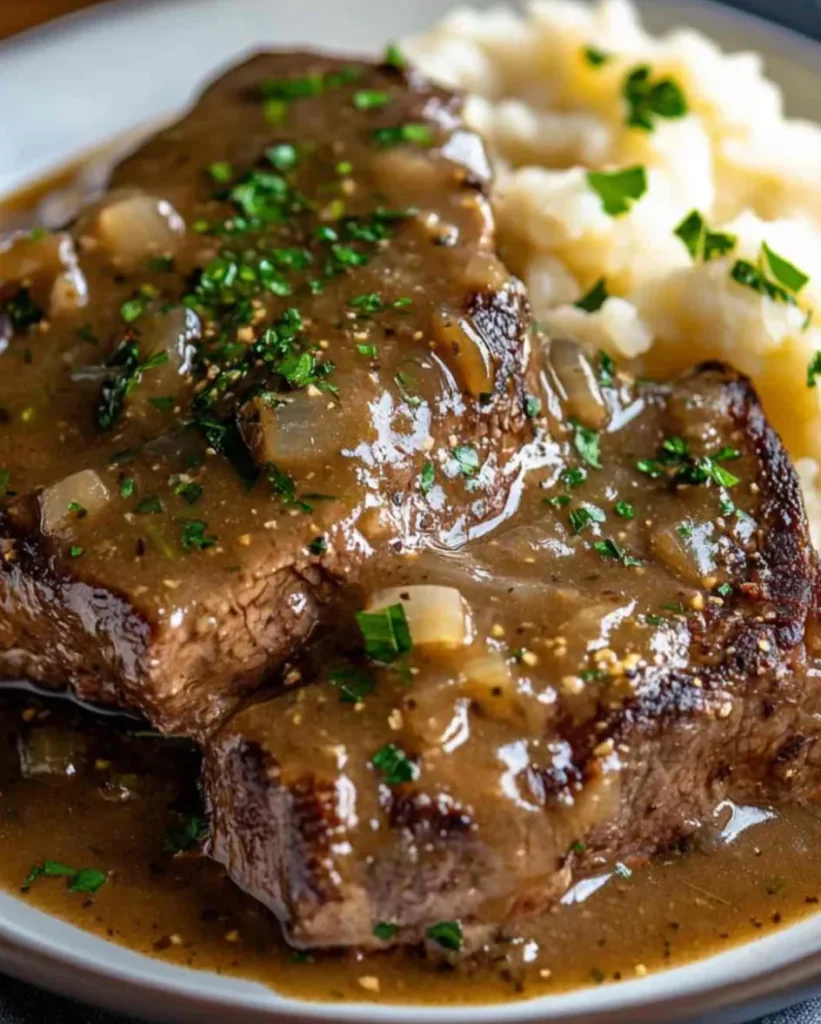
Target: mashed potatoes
(574, 88)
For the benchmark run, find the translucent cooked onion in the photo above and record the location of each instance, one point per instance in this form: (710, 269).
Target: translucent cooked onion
(297, 429)
(134, 226)
(48, 266)
(579, 391)
(436, 615)
(465, 353)
(174, 331)
(688, 549)
(60, 501)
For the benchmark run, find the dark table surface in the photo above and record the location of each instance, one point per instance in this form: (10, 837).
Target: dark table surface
(24, 1004)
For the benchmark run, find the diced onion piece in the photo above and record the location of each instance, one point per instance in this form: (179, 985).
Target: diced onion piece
(48, 266)
(687, 550)
(133, 227)
(464, 351)
(84, 489)
(174, 331)
(580, 393)
(436, 615)
(304, 428)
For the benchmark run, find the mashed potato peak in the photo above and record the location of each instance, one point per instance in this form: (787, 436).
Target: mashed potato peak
(548, 92)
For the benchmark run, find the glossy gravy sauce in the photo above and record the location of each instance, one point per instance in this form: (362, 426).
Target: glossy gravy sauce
(92, 792)
(104, 793)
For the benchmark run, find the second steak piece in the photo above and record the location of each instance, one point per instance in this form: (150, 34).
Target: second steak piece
(583, 688)
(281, 344)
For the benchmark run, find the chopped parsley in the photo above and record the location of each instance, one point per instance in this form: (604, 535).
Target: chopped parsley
(648, 99)
(814, 370)
(394, 765)
(385, 931)
(128, 374)
(370, 99)
(186, 835)
(283, 156)
(624, 509)
(386, 632)
(191, 492)
(132, 309)
(578, 846)
(595, 57)
(22, 310)
(701, 242)
(574, 476)
(318, 546)
(593, 300)
(149, 506)
(724, 589)
(610, 549)
(288, 90)
(674, 454)
(607, 370)
(586, 515)
(447, 934)
(467, 459)
(221, 172)
(533, 406)
(394, 58)
(87, 880)
(586, 443)
(367, 350)
(618, 190)
(354, 685)
(558, 501)
(427, 477)
(5, 480)
(412, 133)
(194, 536)
(76, 551)
(774, 277)
(127, 487)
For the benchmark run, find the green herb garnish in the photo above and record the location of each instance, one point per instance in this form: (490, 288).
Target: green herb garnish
(586, 442)
(412, 134)
(149, 506)
(586, 515)
(593, 300)
(354, 685)
(194, 536)
(22, 310)
(648, 99)
(87, 880)
(618, 190)
(370, 99)
(394, 764)
(624, 509)
(186, 835)
(467, 459)
(386, 632)
(447, 934)
(595, 57)
(385, 931)
(700, 241)
(427, 477)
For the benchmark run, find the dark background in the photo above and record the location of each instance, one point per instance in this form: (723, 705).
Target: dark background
(22, 1004)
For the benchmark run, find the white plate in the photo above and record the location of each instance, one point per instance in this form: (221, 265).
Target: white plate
(66, 89)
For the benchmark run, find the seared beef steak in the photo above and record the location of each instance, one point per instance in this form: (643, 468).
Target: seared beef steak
(634, 650)
(280, 345)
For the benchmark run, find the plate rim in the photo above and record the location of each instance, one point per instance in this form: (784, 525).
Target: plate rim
(29, 954)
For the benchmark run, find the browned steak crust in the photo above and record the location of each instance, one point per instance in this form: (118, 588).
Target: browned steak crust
(629, 716)
(189, 586)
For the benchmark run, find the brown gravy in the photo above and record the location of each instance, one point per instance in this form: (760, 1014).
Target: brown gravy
(132, 788)
(183, 910)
